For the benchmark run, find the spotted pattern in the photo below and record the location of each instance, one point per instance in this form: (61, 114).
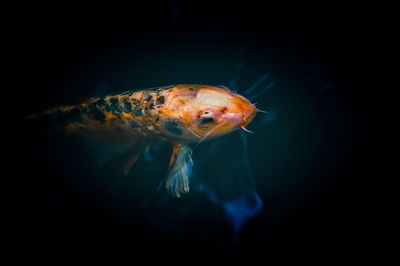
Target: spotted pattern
(133, 108)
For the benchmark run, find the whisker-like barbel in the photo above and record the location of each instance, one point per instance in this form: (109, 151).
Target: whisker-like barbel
(245, 129)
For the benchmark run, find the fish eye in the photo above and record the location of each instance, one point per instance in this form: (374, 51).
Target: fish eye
(206, 120)
(206, 117)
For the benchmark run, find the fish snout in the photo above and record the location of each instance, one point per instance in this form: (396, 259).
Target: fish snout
(234, 118)
(248, 114)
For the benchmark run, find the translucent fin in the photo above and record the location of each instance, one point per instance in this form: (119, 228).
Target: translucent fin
(177, 182)
(116, 157)
(250, 90)
(129, 159)
(129, 163)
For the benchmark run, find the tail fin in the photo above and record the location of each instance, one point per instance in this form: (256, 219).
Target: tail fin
(60, 116)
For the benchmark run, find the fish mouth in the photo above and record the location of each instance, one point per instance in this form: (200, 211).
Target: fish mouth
(248, 116)
(246, 109)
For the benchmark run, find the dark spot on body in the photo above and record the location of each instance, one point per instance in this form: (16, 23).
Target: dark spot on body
(94, 113)
(138, 112)
(160, 100)
(172, 126)
(151, 106)
(107, 108)
(113, 100)
(149, 98)
(115, 105)
(103, 105)
(127, 106)
(191, 89)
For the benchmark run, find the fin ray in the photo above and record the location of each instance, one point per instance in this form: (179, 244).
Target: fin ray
(177, 182)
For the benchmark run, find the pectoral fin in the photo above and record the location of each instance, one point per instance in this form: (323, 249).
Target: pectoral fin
(130, 160)
(122, 162)
(177, 182)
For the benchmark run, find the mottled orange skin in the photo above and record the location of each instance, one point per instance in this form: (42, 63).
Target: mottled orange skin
(177, 118)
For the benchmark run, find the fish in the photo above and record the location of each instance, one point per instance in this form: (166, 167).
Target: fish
(182, 115)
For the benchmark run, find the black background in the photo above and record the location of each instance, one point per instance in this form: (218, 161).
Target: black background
(66, 53)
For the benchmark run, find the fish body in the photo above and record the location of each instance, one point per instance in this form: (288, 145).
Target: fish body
(179, 114)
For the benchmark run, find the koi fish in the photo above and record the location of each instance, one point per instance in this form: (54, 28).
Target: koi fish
(177, 114)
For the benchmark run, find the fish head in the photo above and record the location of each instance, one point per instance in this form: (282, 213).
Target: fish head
(206, 112)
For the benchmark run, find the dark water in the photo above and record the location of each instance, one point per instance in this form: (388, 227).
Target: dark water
(297, 179)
